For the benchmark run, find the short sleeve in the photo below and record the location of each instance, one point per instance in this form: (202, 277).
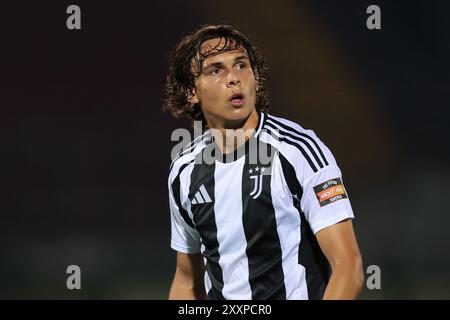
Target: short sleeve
(318, 185)
(184, 237)
(324, 200)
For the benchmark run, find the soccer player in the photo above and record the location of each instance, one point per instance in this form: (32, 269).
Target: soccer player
(274, 229)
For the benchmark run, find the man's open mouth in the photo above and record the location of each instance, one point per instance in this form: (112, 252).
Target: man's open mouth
(237, 99)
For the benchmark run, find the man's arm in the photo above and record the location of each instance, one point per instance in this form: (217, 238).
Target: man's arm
(188, 281)
(338, 243)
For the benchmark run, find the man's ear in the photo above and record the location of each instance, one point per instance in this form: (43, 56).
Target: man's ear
(192, 97)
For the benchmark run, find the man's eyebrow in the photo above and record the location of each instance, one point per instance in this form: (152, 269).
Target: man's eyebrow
(220, 64)
(239, 58)
(214, 64)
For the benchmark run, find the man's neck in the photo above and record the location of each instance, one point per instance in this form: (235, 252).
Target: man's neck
(231, 137)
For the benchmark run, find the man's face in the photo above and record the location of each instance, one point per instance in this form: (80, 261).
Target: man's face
(226, 87)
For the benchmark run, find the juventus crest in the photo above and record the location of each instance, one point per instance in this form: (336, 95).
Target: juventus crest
(256, 174)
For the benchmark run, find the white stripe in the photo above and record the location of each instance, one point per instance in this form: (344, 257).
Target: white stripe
(194, 201)
(288, 218)
(230, 230)
(185, 181)
(199, 198)
(205, 194)
(208, 284)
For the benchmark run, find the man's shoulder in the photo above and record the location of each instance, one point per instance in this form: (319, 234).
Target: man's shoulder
(296, 142)
(284, 124)
(188, 152)
(286, 131)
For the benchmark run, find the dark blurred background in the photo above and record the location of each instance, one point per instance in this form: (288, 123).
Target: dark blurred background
(85, 147)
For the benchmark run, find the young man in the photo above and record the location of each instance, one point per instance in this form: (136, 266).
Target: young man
(261, 229)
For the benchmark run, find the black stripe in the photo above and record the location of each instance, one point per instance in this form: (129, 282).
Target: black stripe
(285, 133)
(289, 128)
(299, 147)
(176, 194)
(263, 250)
(310, 256)
(291, 179)
(205, 223)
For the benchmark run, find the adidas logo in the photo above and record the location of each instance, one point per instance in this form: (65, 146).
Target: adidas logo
(201, 196)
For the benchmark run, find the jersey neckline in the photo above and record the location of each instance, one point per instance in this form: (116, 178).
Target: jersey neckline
(243, 149)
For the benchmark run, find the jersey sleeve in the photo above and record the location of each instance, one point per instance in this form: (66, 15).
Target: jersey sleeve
(184, 237)
(324, 200)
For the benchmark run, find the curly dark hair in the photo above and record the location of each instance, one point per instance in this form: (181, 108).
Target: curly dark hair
(180, 80)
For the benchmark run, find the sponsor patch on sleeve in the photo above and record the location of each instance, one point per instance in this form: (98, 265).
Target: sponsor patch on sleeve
(330, 191)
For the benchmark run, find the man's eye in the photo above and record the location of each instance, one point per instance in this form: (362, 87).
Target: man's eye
(214, 71)
(241, 65)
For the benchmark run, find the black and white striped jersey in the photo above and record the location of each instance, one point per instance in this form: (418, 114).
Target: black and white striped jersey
(254, 222)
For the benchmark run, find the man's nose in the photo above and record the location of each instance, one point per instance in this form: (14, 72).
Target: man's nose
(232, 79)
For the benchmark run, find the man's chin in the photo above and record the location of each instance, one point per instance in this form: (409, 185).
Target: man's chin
(237, 118)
